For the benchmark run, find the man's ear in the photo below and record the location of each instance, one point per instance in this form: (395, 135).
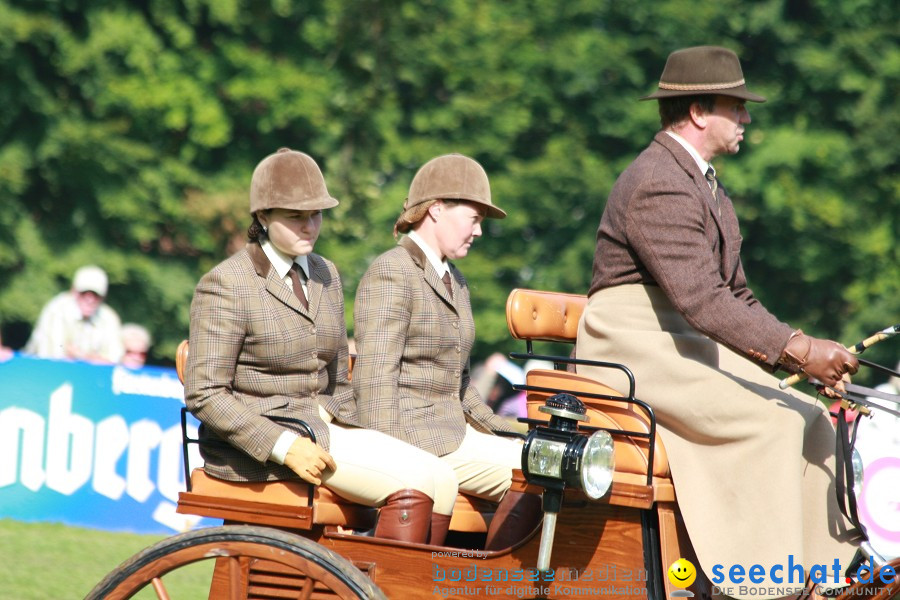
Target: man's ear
(698, 115)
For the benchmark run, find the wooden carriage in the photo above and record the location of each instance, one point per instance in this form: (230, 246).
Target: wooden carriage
(288, 539)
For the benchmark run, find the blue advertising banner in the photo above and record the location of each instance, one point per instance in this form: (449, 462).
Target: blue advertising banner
(92, 445)
(100, 446)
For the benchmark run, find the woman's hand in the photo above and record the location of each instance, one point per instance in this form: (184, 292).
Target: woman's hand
(307, 460)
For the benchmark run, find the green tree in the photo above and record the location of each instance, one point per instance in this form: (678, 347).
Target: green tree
(130, 132)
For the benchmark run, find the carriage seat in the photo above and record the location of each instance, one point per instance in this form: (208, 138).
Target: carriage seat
(282, 503)
(533, 315)
(285, 503)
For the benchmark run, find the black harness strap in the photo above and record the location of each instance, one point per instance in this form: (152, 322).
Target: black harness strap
(846, 495)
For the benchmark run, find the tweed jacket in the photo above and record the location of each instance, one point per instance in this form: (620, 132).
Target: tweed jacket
(662, 226)
(256, 353)
(411, 375)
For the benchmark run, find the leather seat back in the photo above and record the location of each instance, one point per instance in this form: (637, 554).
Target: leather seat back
(535, 315)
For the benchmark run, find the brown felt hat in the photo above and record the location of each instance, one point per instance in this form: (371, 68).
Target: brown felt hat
(703, 70)
(289, 179)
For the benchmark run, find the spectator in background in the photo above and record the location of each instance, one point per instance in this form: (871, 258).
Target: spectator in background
(500, 395)
(77, 324)
(494, 379)
(136, 342)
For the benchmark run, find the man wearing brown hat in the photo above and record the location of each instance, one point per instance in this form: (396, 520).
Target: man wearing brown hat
(753, 466)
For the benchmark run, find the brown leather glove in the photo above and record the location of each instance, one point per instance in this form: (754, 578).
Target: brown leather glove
(823, 360)
(308, 460)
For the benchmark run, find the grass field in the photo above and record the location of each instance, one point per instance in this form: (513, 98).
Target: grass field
(42, 561)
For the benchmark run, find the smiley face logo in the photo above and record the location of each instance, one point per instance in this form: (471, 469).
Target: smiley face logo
(682, 573)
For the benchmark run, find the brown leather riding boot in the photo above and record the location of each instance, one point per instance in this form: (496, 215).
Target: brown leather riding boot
(516, 516)
(439, 526)
(405, 517)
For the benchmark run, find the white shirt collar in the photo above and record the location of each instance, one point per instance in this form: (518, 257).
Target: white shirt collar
(692, 151)
(440, 266)
(281, 262)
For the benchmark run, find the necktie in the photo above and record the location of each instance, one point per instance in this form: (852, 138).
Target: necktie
(296, 273)
(714, 186)
(447, 284)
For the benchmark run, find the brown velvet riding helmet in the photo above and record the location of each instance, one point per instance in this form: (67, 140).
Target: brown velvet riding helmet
(447, 177)
(289, 179)
(703, 70)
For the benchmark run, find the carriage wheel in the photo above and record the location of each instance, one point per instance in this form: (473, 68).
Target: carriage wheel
(246, 557)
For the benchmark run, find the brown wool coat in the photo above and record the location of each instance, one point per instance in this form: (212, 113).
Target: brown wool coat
(411, 375)
(661, 226)
(255, 353)
(753, 466)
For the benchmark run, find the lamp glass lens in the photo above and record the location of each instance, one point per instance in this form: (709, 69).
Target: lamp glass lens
(545, 458)
(597, 464)
(858, 474)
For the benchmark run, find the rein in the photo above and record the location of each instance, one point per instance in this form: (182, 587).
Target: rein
(844, 479)
(854, 399)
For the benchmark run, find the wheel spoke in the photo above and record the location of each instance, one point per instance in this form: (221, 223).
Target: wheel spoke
(306, 592)
(235, 585)
(160, 588)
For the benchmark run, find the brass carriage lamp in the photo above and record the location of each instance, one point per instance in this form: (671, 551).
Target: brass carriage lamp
(558, 455)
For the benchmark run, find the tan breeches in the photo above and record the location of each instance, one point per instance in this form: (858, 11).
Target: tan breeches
(371, 466)
(483, 464)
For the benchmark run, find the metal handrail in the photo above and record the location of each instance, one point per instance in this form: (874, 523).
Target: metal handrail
(187, 440)
(630, 399)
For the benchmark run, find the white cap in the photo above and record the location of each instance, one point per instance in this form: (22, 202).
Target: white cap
(90, 279)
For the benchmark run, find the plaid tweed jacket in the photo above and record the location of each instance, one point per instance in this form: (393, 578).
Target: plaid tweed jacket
(411, 376)
(662, 226)
(256, 353)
